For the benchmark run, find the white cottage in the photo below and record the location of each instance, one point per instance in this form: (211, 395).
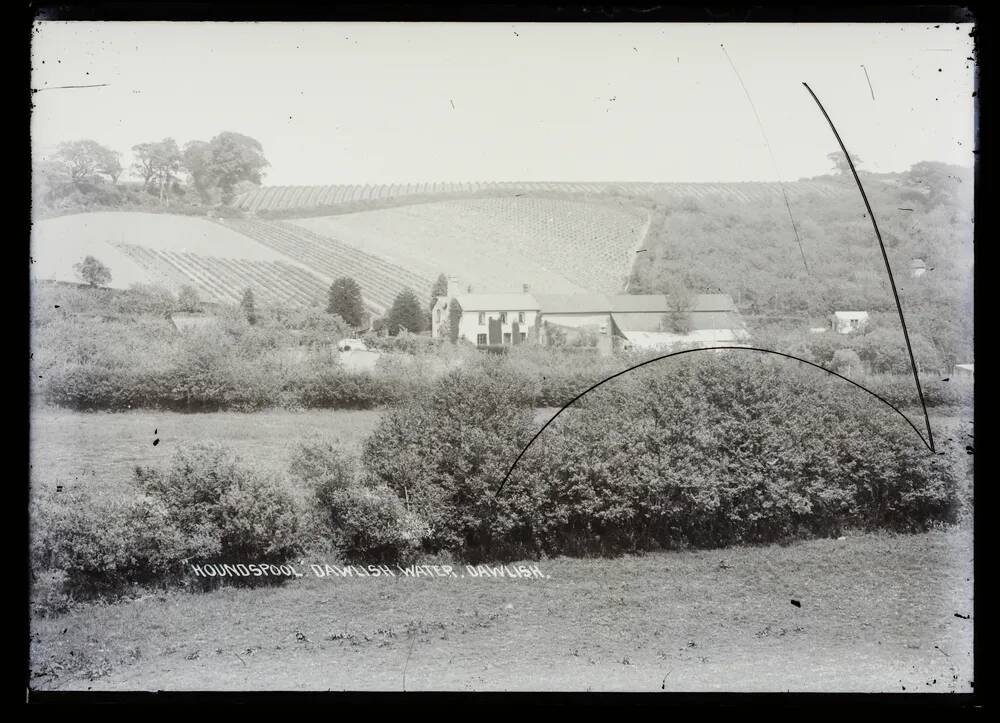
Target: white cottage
(848, 322)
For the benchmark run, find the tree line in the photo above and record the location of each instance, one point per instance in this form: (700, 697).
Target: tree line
(84, 173)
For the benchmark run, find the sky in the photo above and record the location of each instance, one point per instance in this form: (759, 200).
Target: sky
(414, 102)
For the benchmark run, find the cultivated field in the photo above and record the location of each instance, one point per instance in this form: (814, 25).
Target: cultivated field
(498, 244)
(285, 198)
(171, 251)
(380, 280)
(878, 613)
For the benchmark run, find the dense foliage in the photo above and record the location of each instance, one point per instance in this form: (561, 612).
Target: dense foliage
(703, 451)
(84, 175)
(207, 506)
(345, 300)
(751, 252)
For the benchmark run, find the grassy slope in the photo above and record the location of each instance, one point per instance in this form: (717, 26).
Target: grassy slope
(878, 613)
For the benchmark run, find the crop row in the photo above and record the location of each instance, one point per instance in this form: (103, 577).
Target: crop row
(225, 279)
(275, 198)
(380, 280)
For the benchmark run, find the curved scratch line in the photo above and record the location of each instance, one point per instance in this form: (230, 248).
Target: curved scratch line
(774, 162)
(888, 270)
(690, 351)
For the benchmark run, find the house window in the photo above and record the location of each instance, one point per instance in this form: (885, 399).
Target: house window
(520, 317)
(481, 339)
(506, 338)
(524, 336)
(482, 318)
(503, 317)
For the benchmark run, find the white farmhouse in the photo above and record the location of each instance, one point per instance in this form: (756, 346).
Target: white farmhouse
(484, 319)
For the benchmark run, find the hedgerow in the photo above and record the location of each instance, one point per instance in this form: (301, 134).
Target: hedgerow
(702, 451)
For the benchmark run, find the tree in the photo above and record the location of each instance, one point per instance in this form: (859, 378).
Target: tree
(940, 183)
(110, 165)
(846, 361)
(93, 272)
(839, 161)
(406, 313)
(158, 163)
(187, 299)
(440, 288)
(346, 301)
(249, 306)
(677, 319)
(198, 163)
(232, 158)
(85, 158)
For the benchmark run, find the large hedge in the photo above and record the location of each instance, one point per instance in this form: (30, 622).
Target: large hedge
(700, 450)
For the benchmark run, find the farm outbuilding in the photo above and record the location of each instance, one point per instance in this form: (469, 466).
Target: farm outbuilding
(606, 322)
(848, 322)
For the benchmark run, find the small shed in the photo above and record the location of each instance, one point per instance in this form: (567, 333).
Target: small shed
(917, 268)
(964, 371)
(848, 322)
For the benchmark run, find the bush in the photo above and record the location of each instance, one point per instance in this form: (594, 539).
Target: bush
(373, 525)
(445, 451)
(103, 547)
(724, 450)
(223, 509)
(141, 299)
(706, 451)
(323, 469)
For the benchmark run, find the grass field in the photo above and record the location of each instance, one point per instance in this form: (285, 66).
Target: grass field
(101, 449)
(878, 613)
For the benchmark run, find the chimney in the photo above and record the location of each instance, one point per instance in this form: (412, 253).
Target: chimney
(525, 288)
(452, 287)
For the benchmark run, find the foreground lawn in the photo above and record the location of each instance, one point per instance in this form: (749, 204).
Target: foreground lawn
(102, 448)
(878, 613)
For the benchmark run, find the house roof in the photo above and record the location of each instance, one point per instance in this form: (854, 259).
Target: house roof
(696, 321)
(497, 302)
(918, 264)
(654, 303)
(573, 303)
(592, 303)
(851, 314)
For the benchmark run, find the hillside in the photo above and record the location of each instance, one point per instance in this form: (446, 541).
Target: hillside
(293, 198)
(148, 248)
(500, 243)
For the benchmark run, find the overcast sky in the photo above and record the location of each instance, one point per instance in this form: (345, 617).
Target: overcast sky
(402, 102)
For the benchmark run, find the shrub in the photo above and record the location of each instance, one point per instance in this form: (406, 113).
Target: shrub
(141, 299)
(337, 389)
(223, 509)
(324, 469)
(49, 595)
(718, 451)
(445, 450)
(103, 546)
(706, 451)
(373, 524)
